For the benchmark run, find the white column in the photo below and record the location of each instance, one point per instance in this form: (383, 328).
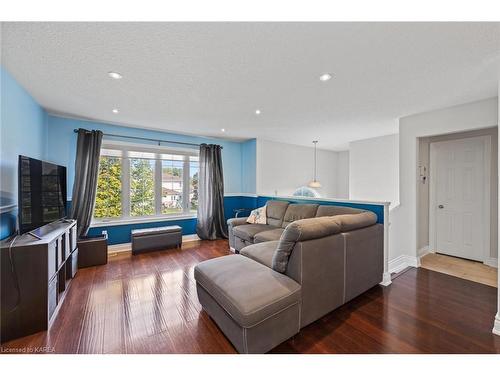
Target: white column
(386, 279)
(496, 324)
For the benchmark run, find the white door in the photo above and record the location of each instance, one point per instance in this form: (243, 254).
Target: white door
(459, 194)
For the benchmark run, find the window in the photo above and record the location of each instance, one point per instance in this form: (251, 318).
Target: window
(305, 191)
(140, 182)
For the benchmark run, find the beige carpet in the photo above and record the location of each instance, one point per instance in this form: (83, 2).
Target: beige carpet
(465, 269)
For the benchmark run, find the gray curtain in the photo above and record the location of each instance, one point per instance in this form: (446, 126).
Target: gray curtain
(88, 150)
(211, 223)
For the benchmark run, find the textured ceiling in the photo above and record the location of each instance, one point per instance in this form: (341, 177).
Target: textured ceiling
(197, 78)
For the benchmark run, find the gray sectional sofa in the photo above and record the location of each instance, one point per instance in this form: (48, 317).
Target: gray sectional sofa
(307, 261)
(279, 214)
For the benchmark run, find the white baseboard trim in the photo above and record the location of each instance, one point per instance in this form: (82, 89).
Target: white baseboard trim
(190, 237)
(401, 262)
(492, 262)
(122, 247)
(496, 325)
(423, 251)
(119, 248)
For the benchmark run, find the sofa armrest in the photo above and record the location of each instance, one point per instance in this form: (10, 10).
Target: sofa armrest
(231, 223)
(235, 221)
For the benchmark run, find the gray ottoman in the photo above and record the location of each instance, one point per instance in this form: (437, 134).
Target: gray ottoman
(156, 238)
(254, 306)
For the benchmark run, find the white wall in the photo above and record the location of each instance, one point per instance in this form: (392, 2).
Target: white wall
(470, 116)
(374, 169)
(343, 174)
(282, 168)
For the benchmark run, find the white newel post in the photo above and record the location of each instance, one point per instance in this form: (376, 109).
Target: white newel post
(386, 279)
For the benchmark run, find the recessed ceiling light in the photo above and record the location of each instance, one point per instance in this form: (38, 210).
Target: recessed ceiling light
(325, 77)
(223, 130)
(115, 75)
(257, 111)
(115, 111)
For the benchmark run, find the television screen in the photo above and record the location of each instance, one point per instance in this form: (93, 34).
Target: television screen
(42, 193)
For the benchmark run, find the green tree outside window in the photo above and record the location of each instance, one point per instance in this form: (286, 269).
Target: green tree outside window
(142, 191)
(108, 201)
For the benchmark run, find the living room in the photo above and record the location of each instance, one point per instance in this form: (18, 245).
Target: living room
(249, 187)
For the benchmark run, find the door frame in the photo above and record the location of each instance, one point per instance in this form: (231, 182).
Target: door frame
(486, 219)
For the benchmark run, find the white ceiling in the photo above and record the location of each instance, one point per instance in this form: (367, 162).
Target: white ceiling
(197, 78)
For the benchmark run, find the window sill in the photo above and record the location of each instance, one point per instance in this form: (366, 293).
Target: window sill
(140, 220)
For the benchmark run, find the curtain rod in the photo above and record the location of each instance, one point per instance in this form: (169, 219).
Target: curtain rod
(145, 139)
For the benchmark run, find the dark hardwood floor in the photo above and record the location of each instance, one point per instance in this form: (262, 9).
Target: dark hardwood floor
(148, 304)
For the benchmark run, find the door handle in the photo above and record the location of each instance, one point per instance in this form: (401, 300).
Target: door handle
(440, 206)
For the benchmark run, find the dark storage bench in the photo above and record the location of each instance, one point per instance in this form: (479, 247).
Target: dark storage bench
(93, 251)
(156, 238)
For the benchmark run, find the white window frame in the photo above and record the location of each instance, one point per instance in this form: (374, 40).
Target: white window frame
(158, 150)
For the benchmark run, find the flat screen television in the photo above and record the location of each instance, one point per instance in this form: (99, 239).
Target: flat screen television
(42, 193)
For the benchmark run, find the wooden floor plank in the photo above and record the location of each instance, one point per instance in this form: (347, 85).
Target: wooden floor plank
(148, 304)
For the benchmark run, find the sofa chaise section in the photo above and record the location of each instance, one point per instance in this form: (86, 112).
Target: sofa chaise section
(256, 307)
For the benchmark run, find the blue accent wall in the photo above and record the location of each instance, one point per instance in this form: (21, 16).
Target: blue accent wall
(121, 233)
(62, 146)
(233, 203)
(23, 131)
(62, 150)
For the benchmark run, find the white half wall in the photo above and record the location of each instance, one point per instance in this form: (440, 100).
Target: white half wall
(374, 176)
(477, 115)
(282, 168)
(374, 169)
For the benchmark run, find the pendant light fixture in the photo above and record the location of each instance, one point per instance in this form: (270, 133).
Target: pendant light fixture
(314, 183)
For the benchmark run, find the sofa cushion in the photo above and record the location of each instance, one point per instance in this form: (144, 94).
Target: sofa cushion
(325, 210)
(261, 252)
(296, 212)
(275, 211)
(302, 230)
(268, 235)
(357, 221)
(247, 290)
(248, 231)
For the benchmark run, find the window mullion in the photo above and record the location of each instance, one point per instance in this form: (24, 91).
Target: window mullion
(185, 185)
(158, 185)
(125, 185)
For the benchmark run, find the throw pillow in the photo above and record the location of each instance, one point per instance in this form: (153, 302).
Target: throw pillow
(258, 216)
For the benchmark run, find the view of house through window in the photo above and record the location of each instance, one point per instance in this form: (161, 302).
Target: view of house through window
(135, 182)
